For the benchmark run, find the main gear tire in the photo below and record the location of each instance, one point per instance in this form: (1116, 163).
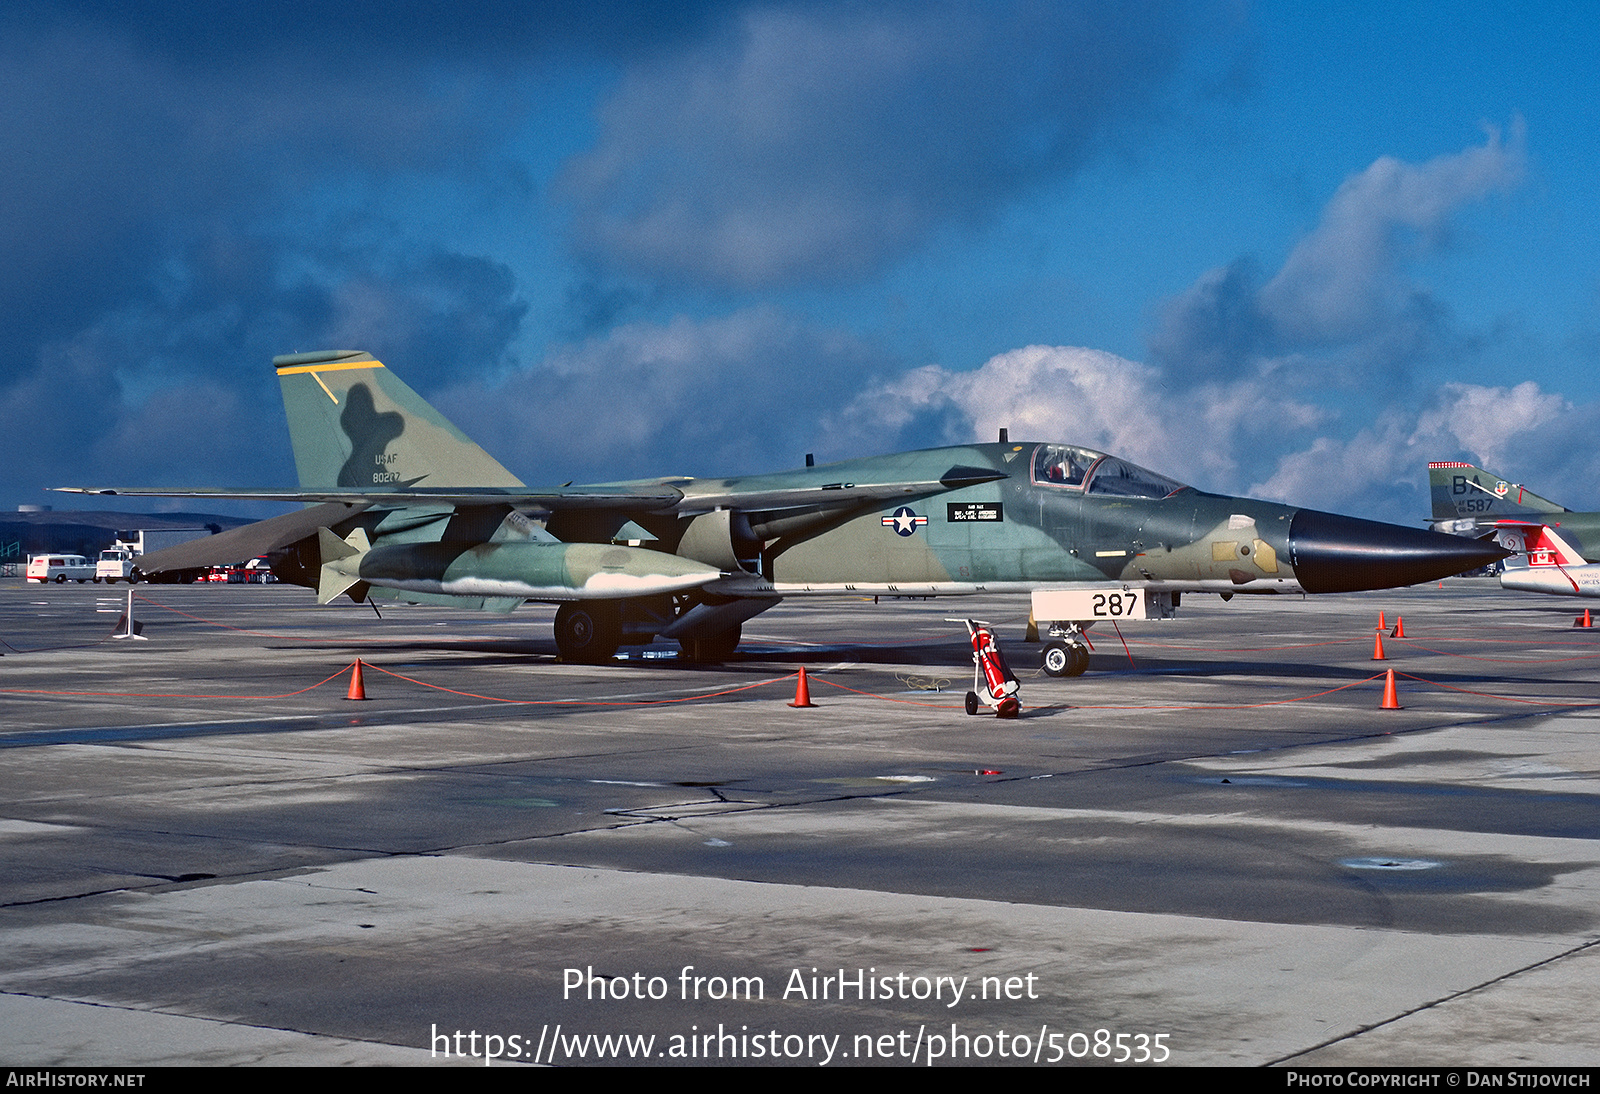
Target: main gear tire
(588, 632)
(711, 650)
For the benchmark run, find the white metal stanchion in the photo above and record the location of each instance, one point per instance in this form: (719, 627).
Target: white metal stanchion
(128, 618)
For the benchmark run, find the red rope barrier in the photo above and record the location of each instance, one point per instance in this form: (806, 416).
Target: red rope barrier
(170, 695)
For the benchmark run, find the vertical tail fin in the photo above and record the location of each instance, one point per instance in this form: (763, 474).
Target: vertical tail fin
(355, 424)
(1460, 490)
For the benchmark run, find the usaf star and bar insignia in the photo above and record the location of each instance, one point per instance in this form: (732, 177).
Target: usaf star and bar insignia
(904, 521)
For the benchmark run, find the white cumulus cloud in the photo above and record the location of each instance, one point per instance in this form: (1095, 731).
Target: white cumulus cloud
(1092, 398)
(1511, 431)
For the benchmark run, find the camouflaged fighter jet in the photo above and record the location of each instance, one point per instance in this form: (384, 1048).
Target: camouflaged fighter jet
(402, 506)
(1554, 549)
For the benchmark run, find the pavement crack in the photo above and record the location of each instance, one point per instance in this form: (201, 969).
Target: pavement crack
(1432, 1003)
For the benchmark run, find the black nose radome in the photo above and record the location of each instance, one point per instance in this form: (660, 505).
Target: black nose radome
(1334, 554)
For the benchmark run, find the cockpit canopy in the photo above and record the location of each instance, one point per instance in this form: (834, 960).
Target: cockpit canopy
(1097, 473)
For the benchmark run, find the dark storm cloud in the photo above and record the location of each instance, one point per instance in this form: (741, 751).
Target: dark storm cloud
(352, 32)
(128, 126)
(739, 394)
(114, 160)
(813, 143)
(191, 188)
(176, 389)
(169, 221)
(445, 315)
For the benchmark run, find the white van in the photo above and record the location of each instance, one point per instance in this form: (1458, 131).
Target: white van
(60, 568)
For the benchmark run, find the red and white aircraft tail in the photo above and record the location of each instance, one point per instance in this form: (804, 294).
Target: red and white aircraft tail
(1548, 564)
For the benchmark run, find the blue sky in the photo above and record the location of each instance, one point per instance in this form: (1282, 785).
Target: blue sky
(1288, 250)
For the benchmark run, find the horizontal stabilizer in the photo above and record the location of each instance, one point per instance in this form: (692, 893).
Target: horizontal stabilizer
(239, 544)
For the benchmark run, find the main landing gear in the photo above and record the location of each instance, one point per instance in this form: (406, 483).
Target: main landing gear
(716, 648)
(589, 632)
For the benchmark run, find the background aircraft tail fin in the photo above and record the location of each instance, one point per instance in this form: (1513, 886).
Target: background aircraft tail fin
(1547, 548)
(1460, 490)
(356, 425)
(1540, 547)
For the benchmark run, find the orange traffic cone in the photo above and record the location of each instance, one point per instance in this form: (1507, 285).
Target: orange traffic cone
(1391, 701)
(1377, 647)
(1583, 620)
(1382, 626)
(358, 690)
(802, 691)
(1399, 628)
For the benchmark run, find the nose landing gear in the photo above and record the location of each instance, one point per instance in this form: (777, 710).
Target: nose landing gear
(1066, 650)
(1065, 658)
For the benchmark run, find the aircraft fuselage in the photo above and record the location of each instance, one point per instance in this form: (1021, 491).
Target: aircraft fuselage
(1115, 525)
